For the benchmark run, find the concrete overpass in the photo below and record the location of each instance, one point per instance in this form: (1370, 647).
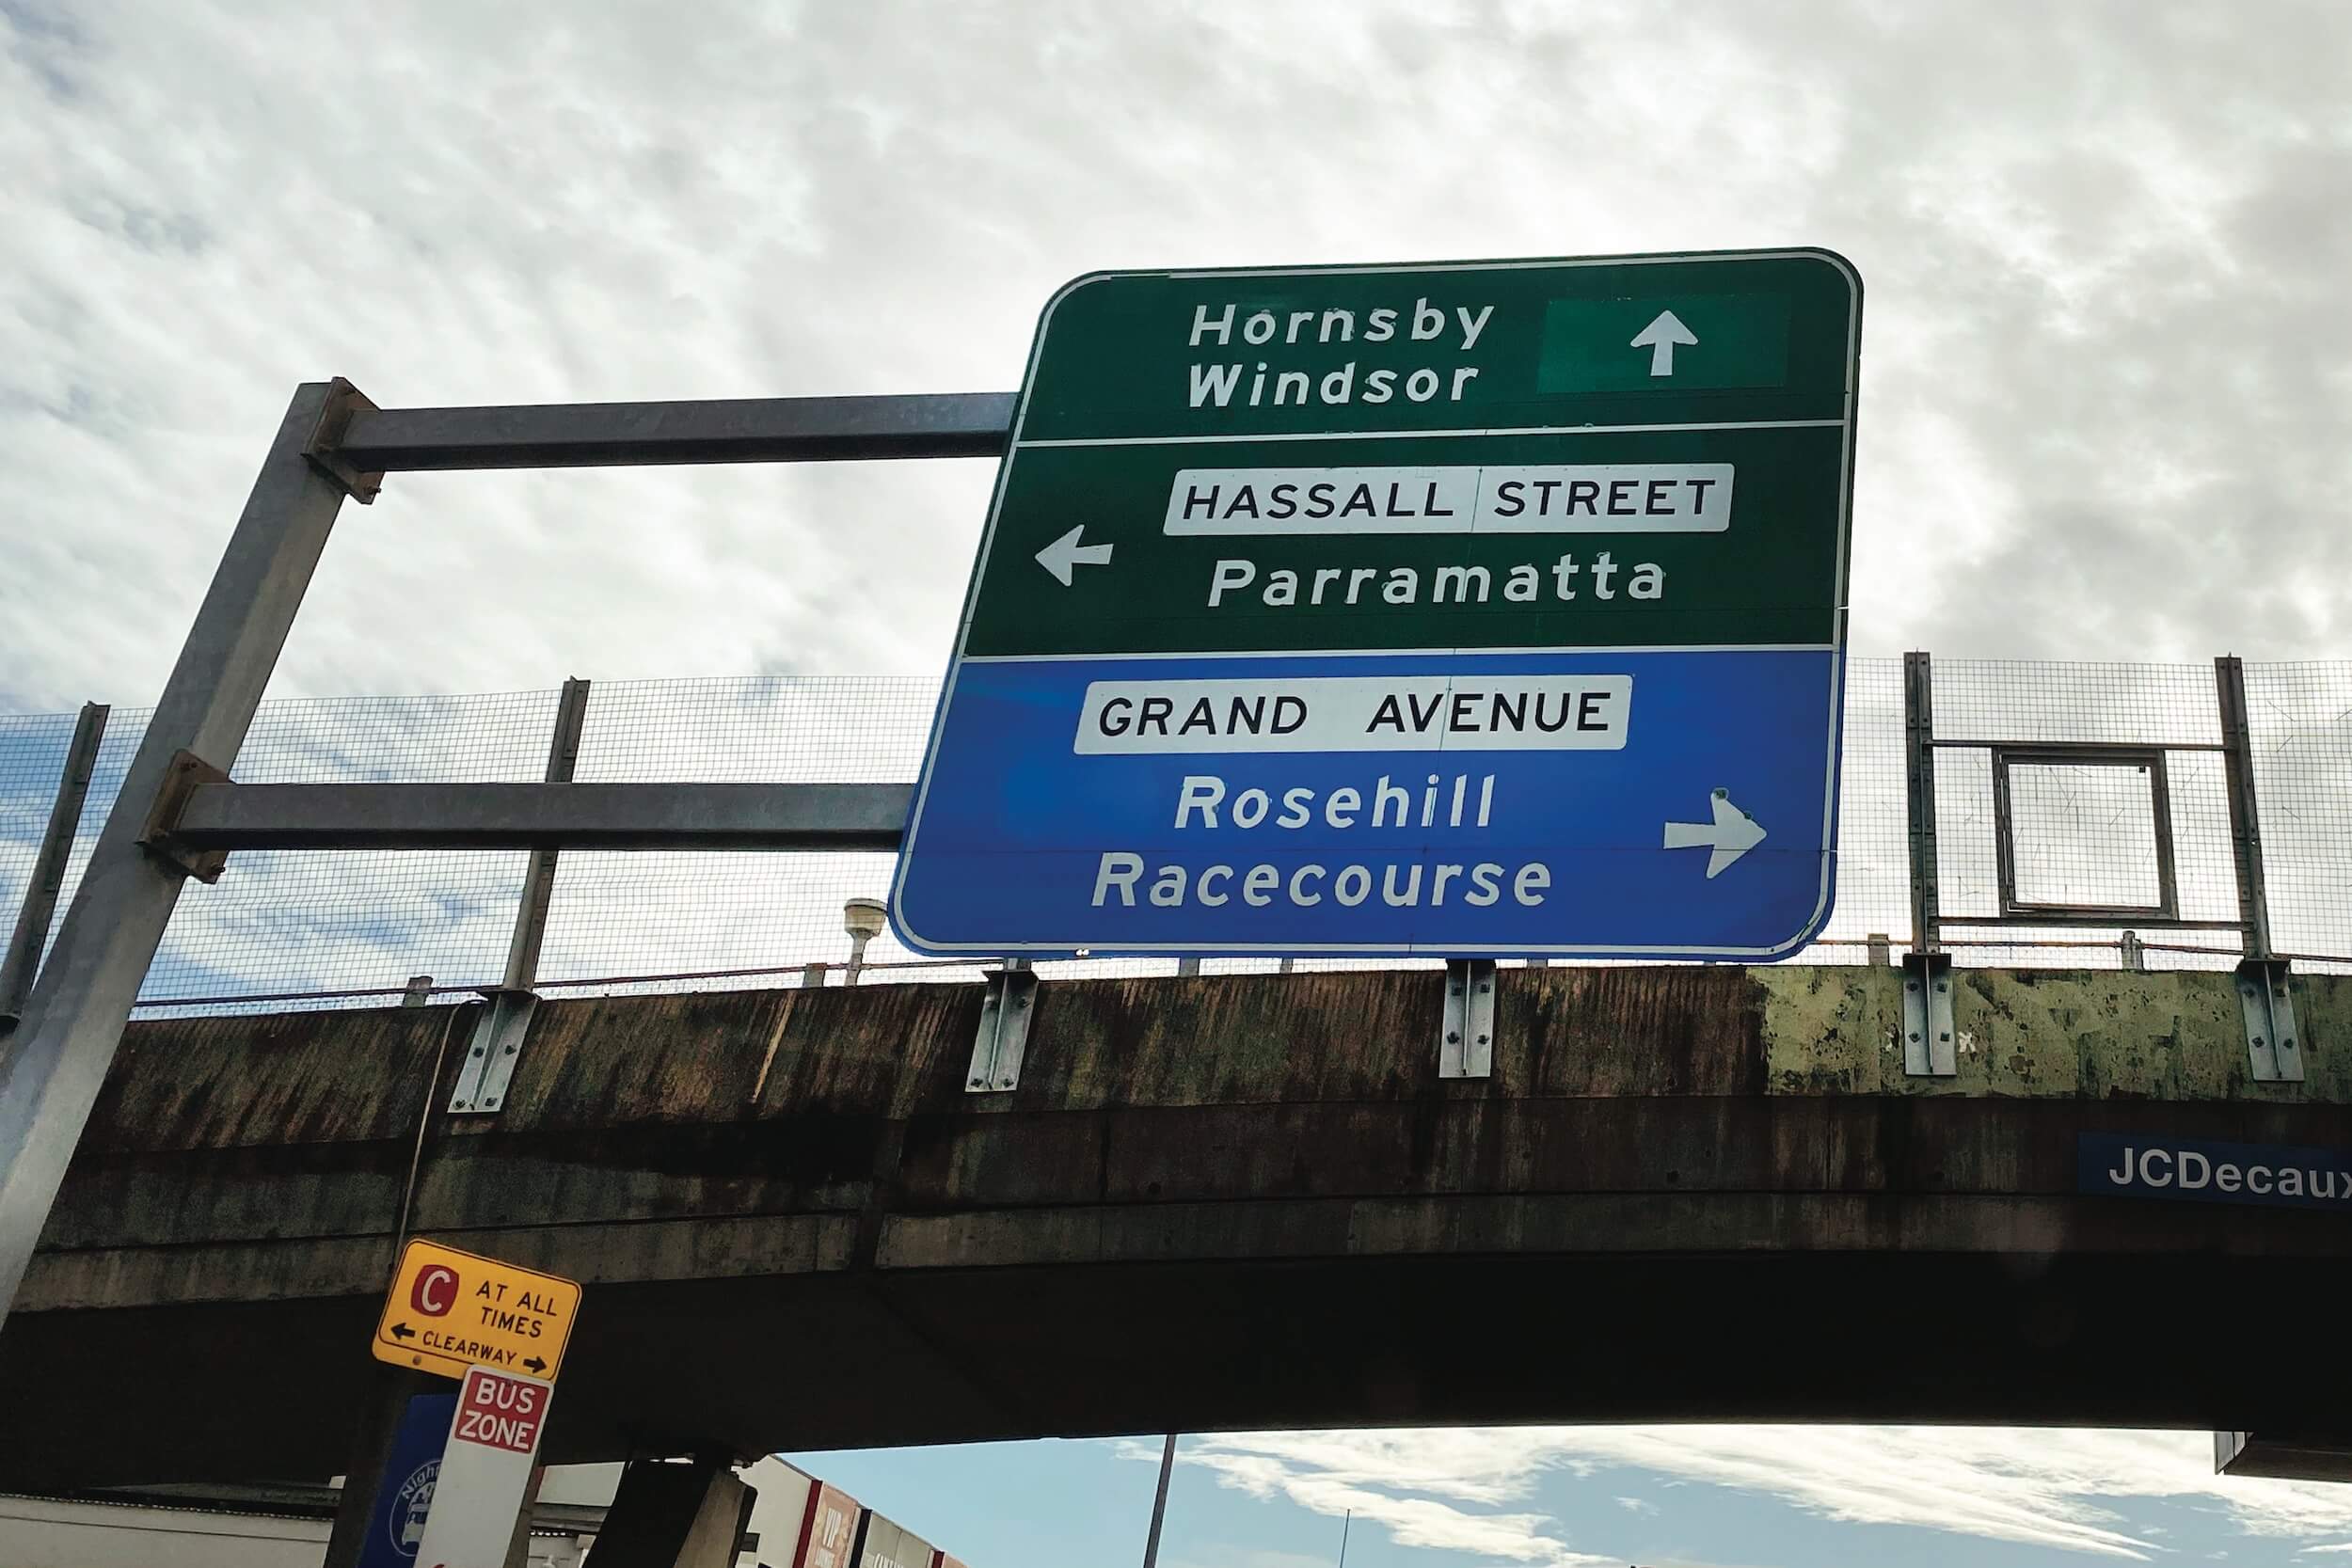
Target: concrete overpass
(1219, 1202)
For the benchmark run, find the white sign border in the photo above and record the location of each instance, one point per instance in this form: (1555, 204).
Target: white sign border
(1813, 921)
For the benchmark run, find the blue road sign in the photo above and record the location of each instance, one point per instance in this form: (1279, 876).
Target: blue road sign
(1474, 610)
(405, 1496)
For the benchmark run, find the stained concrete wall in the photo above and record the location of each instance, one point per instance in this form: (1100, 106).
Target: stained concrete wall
(799, 1230)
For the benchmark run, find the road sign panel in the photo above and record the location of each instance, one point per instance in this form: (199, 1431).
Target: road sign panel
(1437, 610)
(404, 1495)
(485, 1469)
(448, 1310)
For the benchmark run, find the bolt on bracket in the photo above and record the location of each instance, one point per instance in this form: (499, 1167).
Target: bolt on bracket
(491, 1054)
(2273, 1044)
(1466, 1041)
(185, 772)
(1003, 1038)
(1930, 1048)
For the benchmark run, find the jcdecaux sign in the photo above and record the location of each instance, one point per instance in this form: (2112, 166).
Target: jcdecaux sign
(1479, 609)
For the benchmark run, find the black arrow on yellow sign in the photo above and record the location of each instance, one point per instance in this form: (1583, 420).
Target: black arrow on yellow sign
(402, 1331)
(536, 1366)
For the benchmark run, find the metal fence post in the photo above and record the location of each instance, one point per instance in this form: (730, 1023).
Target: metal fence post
(1929, 1046)
(57, 1059)
(499, 1031)
(2274, 1046)
(531, 920)
(2237, 752)
(1919, 798)
(22, 961)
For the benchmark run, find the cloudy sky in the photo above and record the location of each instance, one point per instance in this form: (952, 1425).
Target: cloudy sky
(2104, 396)
(2104, 362)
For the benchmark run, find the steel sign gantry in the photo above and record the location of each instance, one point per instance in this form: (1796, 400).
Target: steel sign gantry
(176, 815)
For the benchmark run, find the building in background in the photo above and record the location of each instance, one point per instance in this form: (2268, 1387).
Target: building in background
(797, 1521)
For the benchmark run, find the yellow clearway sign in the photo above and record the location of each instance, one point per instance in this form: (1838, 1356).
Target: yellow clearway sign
(448, 1310)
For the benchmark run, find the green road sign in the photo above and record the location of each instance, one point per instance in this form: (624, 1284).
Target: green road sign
(1515, 422)
(1266, 537)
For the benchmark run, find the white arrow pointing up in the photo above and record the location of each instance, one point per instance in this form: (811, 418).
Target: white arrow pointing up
(1066, 553)
(1660, 336)
(1732, 834)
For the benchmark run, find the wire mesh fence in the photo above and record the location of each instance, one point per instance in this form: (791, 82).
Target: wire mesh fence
(348, 928)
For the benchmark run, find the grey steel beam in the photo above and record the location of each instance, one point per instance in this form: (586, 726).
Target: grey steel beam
(739, 429)
(1919, 800)
(544, 816)
(531, 916)
(20, 963)
(2246, 839)
(55, 1065)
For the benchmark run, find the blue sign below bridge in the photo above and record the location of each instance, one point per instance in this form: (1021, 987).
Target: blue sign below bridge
(1626, 803)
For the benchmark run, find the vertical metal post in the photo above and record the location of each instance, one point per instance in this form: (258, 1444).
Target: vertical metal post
(21, 960)
(419, 992)
(531, 920)
(1187, 967)
(518, 1544)
(1159, 1504)
(503, 1026)
(381, 1407)
(2272, 1045)
(2237, 755)
(57, 1059)
(1919, 799)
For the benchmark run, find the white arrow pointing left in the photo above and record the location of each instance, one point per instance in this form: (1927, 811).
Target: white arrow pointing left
(1065, 554)
(1661, 337)
(1732, 834)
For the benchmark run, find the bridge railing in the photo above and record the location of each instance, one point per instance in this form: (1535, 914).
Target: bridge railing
(2107, 783)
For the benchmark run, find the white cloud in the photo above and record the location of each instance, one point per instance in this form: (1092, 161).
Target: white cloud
(2103, 367)
(1637, 1505)
(2062, 1489)
(1328, 1485)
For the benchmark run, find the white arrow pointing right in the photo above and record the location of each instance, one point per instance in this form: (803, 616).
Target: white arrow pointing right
(1066, 553)
(1732, 834)
(1660, 336)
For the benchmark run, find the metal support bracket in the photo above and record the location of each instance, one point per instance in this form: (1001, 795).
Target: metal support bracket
(1929, 1034)
(1466, 1043)
(181, 776)
(498, 1042)
(1003, 1040)
(343, 400)
(2273, 1044)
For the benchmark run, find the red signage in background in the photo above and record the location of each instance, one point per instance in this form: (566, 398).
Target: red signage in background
(828, 1530)
(499, 1412)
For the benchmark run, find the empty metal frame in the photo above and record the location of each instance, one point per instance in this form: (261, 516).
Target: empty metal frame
(2163, 908)
(2016, 906)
